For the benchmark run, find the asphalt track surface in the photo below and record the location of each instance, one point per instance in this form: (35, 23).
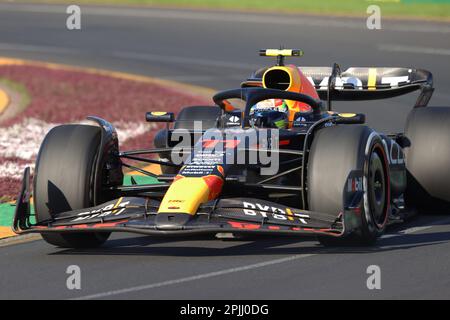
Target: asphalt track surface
(219, 50)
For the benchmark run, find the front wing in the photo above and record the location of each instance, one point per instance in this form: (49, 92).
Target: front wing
(234, 215)
(139, 215)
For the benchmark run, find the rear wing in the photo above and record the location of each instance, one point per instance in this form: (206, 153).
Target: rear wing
(364, 83)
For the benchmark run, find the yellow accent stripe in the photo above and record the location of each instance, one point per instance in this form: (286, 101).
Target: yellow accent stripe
(372, 79)
(4, 101)
(6, 232)
(116, 205)
(347, 115)
(153, 168)
(278, 52)
(185, 196)
(290, 214)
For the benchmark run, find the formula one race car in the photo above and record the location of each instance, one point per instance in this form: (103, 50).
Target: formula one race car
(270, 157)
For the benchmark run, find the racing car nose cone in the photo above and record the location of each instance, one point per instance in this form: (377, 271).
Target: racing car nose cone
(171, 221)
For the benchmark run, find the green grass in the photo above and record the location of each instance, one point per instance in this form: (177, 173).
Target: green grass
(6, 214)
(431, 9)
(7, 211)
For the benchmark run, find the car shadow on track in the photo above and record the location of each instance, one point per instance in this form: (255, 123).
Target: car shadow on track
(148, 246)
(193, 247)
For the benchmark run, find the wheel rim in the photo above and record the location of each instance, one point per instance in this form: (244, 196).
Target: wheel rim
(377, 189)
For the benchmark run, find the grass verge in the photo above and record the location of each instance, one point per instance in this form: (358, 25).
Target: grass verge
(421, 9)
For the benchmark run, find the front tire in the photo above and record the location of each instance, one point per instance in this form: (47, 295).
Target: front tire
(64, 180)
(335, 153)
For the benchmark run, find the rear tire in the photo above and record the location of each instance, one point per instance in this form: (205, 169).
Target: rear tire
(335, 153)
(63, 180)
(428, 159)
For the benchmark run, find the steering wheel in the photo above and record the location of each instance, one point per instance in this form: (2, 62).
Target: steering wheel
(254, 95)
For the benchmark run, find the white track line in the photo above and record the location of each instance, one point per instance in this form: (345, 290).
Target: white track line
(182, 60)
(416, 229)
(404, 232)
(131, 55)
(37, 48)
(233, 17)
(238, 269)
(414, 49)
(193, 278)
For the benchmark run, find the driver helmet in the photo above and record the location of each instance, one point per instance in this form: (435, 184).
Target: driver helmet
(280, 105)
(271, 113)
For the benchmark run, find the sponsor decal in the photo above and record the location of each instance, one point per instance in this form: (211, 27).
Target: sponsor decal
(203, 164)
(258, 209)
(113, 209)
(355, 184)
(356, 83)
(229, 146)
(395, 81)
(300, 121)
(394, 152)
(234, 121)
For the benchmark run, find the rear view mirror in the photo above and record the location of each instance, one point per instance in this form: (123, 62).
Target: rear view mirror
(350, 118)
(159, 116)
